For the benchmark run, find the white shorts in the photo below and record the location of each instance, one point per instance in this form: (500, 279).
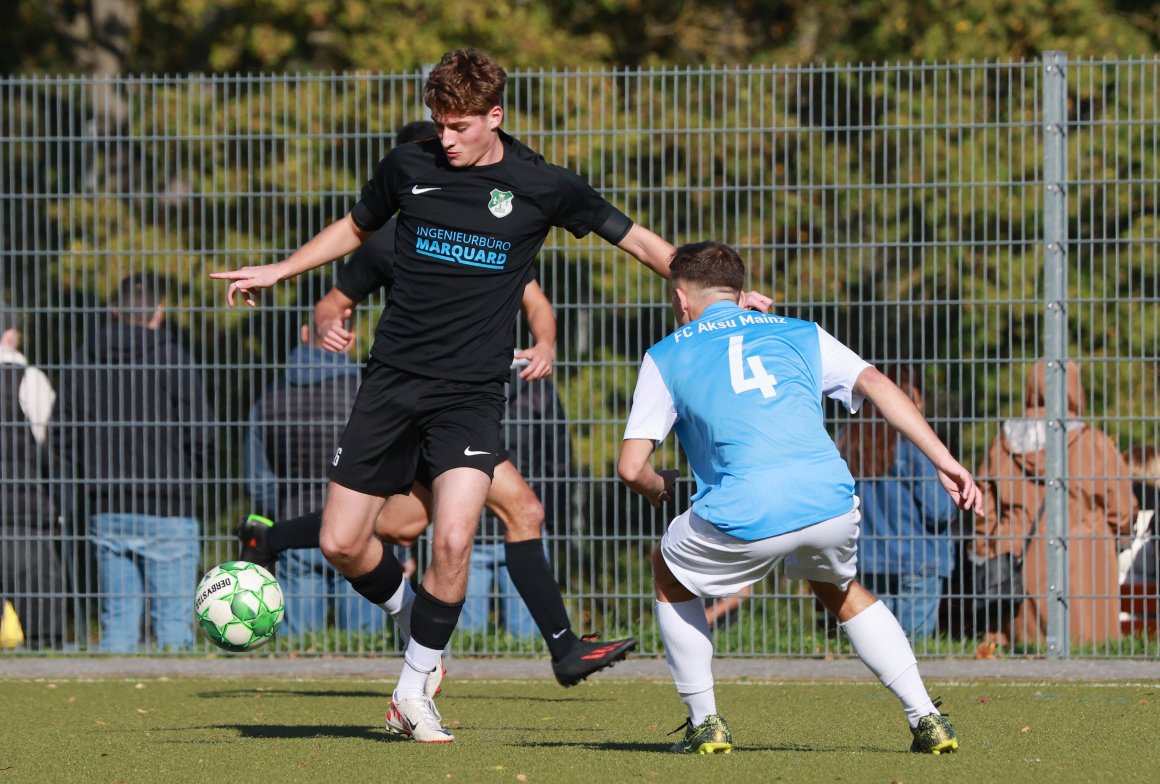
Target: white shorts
(711, 563)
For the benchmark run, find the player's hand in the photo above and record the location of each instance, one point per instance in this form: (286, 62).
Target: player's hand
(540, 358)
(668, 479)
(333, 334)
(249, 280)
(960, 486)
(755, 300)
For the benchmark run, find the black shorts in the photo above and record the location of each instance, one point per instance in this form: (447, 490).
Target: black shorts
(405, 426)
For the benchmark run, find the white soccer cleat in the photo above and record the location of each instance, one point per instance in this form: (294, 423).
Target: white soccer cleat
(434, 686)
(417, 718)
(434, 683)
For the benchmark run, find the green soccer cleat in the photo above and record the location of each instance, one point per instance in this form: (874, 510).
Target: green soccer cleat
(934, 735)
(711, 736)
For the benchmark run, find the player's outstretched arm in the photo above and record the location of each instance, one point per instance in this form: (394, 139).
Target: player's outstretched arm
(649, 249)
(636, 471)
(901, 412)
(330, 316)
(541, 318)
(337, 239)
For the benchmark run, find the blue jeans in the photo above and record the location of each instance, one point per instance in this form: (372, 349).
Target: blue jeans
(913, 598)
(145, 556)
(488, 571)
(311, 586)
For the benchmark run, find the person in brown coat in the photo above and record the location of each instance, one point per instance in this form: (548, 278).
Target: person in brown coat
(1100, 509)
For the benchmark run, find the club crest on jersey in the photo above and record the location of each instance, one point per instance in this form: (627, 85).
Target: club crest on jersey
(501, 203)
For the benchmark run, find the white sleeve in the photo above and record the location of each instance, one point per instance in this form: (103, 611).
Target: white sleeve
(840, 370)
(36, 399)
(653, 413)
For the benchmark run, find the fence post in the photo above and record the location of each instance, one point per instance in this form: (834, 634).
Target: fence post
(1055, 345)
(424, 71)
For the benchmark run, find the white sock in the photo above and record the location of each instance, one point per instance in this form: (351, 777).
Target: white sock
(913, 695)
(882, 646)
(701, 705)
(418, 662)
(399, 608)
(689, 652)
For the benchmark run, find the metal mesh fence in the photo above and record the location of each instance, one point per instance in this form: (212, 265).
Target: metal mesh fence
(959, 220)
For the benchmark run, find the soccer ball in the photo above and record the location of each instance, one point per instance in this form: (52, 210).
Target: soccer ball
(238, 606)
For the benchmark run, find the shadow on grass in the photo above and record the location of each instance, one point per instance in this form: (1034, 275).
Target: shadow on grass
(737, 748)
(233, 694)
(304, 731)
(565, 697)
(237, 693)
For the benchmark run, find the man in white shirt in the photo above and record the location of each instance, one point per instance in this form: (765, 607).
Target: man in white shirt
(29, 565)
(744, 392)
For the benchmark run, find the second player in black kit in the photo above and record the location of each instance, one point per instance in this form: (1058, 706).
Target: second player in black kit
(473, 211)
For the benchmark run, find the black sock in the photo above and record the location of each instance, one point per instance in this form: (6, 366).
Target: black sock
(533, 578)
(433, 620)
(380, 583)
(300, 533)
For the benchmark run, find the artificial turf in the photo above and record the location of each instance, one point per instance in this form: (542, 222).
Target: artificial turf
(286, 730)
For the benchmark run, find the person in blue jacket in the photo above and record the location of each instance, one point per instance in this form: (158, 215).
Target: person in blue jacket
(906, 551)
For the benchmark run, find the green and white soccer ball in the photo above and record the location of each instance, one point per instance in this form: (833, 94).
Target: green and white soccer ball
(238, 606)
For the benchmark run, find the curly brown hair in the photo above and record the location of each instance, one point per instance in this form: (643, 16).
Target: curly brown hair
(466, 82)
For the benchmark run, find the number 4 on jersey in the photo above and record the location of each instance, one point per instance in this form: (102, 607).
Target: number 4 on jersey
(741, 383)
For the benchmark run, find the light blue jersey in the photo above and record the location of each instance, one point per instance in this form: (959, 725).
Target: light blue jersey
(744, 393)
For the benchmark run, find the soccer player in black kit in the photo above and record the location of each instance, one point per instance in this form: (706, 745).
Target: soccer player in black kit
(404, 517)
(474, 208)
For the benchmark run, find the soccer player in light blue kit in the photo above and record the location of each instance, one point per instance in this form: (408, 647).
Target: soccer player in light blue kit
(744, 392)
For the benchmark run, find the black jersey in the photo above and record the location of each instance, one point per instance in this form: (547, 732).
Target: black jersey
(464, 244)
(372, 267)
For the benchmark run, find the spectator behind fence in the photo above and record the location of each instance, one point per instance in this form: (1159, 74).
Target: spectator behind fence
(30, 571)
(536, 440)
(1144, 463)
(294, 428)
(1100, 508)
(136, 434)
(906, 552)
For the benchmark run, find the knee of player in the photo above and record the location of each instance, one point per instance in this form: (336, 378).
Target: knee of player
(453, 546)
(401, 531)
(400, 539)
(338, 550)
(528, 517)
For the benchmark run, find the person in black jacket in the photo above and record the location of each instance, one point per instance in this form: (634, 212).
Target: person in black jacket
(136, 436)
(30, 572)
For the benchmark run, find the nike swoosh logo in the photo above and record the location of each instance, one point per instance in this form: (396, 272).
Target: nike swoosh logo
(417, 190)
(559, 634)
(469, 452)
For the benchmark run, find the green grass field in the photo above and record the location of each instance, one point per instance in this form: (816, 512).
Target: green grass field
(203, 730)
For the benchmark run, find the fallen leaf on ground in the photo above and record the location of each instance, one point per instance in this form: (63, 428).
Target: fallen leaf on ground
(987, 650)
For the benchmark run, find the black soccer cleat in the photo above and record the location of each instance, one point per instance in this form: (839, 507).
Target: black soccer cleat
(588, 656)
(252, 534)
